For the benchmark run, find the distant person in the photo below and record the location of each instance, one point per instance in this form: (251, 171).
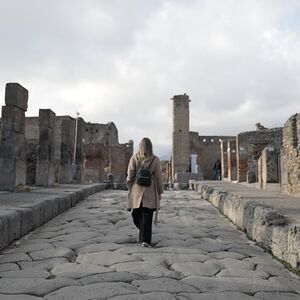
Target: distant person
(144, 200)
(217, 170)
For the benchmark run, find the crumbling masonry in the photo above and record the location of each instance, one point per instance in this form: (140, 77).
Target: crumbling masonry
(53, 149)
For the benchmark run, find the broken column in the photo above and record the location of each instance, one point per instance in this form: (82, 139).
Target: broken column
(12, 141)
(78, 171)
(45, 160)
(67, 144)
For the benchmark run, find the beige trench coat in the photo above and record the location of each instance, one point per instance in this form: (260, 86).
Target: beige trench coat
(150, 196)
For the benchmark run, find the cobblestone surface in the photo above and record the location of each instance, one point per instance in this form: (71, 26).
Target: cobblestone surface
(91, 252)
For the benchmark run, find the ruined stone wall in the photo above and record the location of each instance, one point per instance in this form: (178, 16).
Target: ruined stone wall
(108, 154)
(290, 156)
(101, 134)
(94, 159)
(208, 149)
(119, 157)
(250, 145)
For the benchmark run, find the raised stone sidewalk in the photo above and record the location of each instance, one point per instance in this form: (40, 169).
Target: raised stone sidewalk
(270, 219)
(24, 211)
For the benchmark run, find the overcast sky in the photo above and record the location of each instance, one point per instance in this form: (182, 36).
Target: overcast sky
(122, 61)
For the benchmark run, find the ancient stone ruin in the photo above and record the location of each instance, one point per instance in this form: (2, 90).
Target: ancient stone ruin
(12, 140)
(265, 157)
(53, 149)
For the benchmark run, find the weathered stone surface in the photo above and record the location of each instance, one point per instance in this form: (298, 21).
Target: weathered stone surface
(73, 270)
(93, 291)
(32, 247)
(16, 95)
(151, 269)
(14, 257)
(244, 285)
(52, 253)
(110, 277)
(45, 159)
(147, 296)
(48, 264)
(277, 296)
(19, 297)
(105, 258)
(231, 263)
(33, 286)
(218, 296)
(65, 167)
(28, 273)
(9, 267)
(149, 272)
(226, 254)
(263, 219)
(98, 248)
(242, 273)
(13, 120)
(196, 268)
(163, 285)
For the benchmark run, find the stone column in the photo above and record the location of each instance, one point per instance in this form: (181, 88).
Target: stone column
(232, 158)
(12, 141)
(45, 160)
(181, 135)
(78, 175)
(67, 140)
(224, 160)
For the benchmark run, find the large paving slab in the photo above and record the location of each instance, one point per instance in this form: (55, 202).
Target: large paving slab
(91, 252)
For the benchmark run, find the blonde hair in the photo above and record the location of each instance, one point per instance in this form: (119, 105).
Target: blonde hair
(145, 149)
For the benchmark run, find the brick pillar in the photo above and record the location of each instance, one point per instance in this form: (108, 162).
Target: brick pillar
(242, 160)
(45, 160)
(224, 160)
(231, 158)
(67, 144)
(12, 141)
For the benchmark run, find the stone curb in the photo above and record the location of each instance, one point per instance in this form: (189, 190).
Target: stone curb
(262, 224)
(18, 220)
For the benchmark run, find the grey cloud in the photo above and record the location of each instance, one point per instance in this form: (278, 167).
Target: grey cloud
(122, 61)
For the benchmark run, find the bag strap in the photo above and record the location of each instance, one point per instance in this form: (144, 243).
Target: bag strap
(151, 161)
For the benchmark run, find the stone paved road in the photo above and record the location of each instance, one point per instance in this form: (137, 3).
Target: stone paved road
(90, 252)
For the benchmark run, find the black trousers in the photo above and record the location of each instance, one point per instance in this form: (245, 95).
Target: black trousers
(142, 219)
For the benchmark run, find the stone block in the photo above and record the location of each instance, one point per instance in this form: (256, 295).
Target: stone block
(13, 119)
(16, 95)
(12, 167)
(185, 177)
(46, 118)
(10, 222)
(45, 161)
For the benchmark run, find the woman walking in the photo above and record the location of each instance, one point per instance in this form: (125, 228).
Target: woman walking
(144, 197)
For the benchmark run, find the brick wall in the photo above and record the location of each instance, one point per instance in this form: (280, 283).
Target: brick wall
(208, 149)
(250, 145)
